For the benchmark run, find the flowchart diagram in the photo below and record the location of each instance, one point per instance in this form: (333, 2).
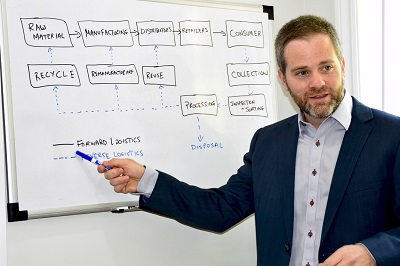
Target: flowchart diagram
(54, 32)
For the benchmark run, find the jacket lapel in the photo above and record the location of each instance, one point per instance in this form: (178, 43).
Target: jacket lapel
(287, 172)
(352, 145)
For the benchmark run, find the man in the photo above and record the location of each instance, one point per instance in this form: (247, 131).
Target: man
(324, 184)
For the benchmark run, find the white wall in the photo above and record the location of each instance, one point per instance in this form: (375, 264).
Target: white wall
(110, 239)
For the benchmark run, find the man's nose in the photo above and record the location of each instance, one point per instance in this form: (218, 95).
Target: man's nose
(317, 80)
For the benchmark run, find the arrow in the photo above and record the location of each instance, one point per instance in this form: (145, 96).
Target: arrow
(161, 87)
(250, 91)
(76, 33)
(116, 89)
(112, 55)
(156, 51)
(135, 32)
(55, 89)
(178, 31)
(50, 51)
(200, 138)
(223, 33)
(246, 57)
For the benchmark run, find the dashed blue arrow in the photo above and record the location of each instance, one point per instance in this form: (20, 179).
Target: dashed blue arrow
(161, 87)
(200, 137)
(50, 51)
(111, 50)
(156, 51)
(116, 89)
(246, 57)
(55, 89)
(250, 91)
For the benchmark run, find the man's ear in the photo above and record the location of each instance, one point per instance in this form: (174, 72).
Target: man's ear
(343, 65)
(283, 80)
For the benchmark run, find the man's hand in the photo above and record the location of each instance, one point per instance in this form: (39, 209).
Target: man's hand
(350, 255)
(124, 175)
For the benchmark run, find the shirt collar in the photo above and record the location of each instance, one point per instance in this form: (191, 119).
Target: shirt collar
(342, 114)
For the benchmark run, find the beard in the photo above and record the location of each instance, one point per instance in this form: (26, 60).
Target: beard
(319, 110)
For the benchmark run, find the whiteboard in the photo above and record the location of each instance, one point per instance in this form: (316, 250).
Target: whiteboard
(177, 87)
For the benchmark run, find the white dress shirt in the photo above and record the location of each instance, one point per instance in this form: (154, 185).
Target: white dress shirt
(317, 152)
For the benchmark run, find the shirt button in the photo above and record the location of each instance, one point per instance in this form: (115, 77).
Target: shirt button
(312, 202)
(310, 234)
(317, 143)
(308, 264)
(314, 173)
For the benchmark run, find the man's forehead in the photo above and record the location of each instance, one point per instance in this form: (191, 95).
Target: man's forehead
(307, 39)
(317, 48)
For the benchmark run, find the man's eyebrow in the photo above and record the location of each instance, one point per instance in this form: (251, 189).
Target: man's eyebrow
(295, 69)
(329, 61)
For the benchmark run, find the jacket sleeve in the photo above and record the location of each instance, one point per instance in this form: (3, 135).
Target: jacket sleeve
(385, 246)
(215, 209)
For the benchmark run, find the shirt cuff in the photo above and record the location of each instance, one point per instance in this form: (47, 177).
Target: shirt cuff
(147, 183)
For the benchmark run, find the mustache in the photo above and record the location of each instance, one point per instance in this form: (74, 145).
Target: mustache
(317, 91)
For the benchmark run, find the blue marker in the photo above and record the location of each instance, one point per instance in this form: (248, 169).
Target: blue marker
(90, 159)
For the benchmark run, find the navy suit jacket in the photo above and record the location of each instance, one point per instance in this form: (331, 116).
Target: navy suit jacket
(363, 204)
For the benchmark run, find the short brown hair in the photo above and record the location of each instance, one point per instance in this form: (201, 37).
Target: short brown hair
(301, 27)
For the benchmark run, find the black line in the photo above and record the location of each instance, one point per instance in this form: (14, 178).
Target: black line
(63, 144)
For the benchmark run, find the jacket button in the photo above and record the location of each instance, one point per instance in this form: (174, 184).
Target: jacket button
(287, 247)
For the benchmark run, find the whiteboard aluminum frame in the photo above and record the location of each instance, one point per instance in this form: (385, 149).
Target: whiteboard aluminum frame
(7, 115)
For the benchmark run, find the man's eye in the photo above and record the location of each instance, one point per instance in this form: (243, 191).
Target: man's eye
(327, 68)
(301, 73)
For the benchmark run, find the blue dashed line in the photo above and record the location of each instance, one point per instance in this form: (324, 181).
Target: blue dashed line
(63, 158)
(119, 109)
